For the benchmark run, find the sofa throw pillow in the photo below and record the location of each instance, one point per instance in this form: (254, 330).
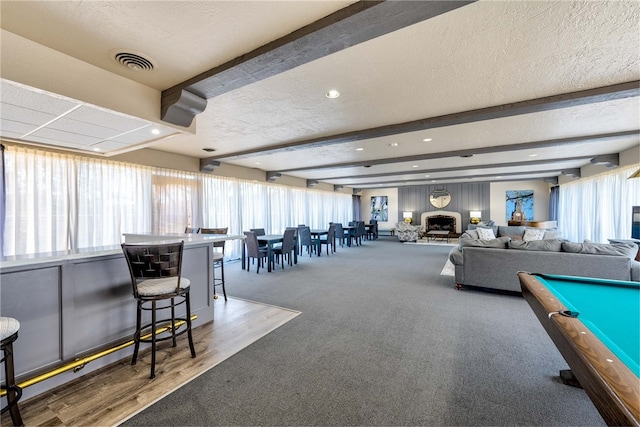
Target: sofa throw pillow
(554, 245)
(470, 234)
(533, 234)
(628, 250)
(551, 234)
(499, 243)
(510, 230)
(485, 233)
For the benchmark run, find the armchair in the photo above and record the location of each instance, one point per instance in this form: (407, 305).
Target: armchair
(407, 232)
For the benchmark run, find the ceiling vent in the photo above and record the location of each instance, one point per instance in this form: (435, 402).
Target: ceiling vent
(131, 60)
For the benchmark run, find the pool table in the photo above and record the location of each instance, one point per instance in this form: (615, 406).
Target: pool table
(595, 324)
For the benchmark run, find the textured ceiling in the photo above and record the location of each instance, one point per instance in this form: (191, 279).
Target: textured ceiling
(478, 56)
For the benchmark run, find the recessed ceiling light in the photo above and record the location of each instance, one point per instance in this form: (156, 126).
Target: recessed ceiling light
(414, 166)
(427, 139)
(498, 177)
(393, 144)
(155, 131)
(359, 149)
(533, 155)
(433, 180)
(257, 163)
(96, 149)
(427, 176)
(332, 94)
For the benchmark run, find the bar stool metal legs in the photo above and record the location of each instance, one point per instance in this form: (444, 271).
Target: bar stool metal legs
(218, 279)
(9, 333)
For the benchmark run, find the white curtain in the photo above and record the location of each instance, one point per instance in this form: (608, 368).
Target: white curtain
(58, 202)
(600, 207)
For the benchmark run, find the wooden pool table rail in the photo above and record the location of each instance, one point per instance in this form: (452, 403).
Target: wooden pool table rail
(612, 387)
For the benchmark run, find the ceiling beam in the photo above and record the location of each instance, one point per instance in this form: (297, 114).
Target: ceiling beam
(394, 183)
(354, 24)
(472, 151)
(459, 168)
(537, 105)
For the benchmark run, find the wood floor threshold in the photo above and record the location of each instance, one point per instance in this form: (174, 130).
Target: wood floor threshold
(115, 393)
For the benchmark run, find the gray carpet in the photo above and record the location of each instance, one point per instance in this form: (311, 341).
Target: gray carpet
(383, 339)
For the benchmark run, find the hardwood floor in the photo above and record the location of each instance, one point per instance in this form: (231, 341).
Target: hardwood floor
(116, 392)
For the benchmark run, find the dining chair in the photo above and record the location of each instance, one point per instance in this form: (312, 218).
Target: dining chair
(329, 240)
(359, 232)
(340, 233)
(254, 250)
(287, 247)
(218, 259)
(304, 236)
(9, 328)
(158, 285)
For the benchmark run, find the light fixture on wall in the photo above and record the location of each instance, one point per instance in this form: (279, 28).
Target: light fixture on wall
(574, 173)
(475, 217)
(273, 176)
(408, 216)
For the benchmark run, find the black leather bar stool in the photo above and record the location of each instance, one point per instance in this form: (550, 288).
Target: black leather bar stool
(9, 328)
(156, 277)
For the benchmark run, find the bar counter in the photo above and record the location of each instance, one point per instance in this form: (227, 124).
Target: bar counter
(72, 304)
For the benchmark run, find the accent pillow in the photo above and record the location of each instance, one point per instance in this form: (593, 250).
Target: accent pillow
(551, 234)
(499, 243)
(533, 234)
(470, 234)
(485, 233)
(537, 245)
(628, 250)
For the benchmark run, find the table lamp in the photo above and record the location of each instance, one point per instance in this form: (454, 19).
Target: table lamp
(475, 216)
(408, 217)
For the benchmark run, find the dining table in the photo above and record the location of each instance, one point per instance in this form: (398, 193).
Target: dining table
(315, 235)
(351, 231)
(270, 240)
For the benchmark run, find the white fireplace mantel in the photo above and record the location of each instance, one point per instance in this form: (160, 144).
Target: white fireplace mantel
(456, 215)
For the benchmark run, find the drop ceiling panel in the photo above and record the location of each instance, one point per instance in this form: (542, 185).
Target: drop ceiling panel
(12, 127)
(24, 115)
(67, 125)
(62, 136)
(106, 119)
(36, 101)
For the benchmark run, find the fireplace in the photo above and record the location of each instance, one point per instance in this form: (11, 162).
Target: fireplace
(453, 218)
(441, 223)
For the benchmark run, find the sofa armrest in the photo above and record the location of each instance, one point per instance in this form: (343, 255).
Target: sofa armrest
(635, 271)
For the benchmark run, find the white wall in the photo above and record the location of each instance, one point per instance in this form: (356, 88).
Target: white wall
(392, 194)
(498, 202)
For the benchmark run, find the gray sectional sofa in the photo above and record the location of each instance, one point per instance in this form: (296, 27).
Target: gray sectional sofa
(494, 263)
